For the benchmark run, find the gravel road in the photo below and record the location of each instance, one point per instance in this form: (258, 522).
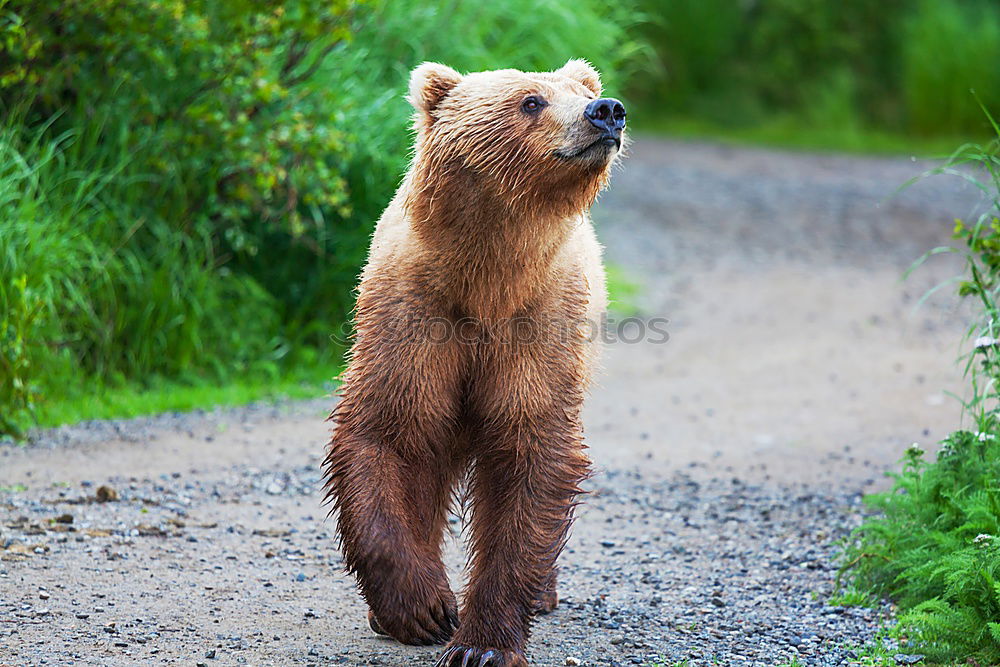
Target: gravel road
(730, 459)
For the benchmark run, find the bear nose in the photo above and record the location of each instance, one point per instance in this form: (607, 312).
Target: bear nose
(607, 114)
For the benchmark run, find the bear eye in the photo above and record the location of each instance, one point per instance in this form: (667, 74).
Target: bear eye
(533, 104)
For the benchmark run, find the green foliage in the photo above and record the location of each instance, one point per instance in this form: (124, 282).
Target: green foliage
(222, 84)
(891, 65)
(623, 291)
(948, 49)
(798, 46)
(91, 288)
(935, 546)
(852, 597)
(880, 650)
(693, 39)
(187, 188)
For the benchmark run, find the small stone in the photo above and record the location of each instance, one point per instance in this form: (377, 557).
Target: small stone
(275, 489)
(572, 661)
(43, 595)
(907, 659)
(607, 544)
(64, 518)
(210, 654)
(105, 494)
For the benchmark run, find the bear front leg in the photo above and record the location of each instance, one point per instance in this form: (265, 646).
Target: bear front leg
(393, 460)
(391, 512)
(523, 490)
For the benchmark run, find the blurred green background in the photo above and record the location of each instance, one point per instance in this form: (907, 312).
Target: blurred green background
(187, 187)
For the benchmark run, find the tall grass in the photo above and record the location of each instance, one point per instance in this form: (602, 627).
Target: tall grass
(896, 66)
(950, 48)
(93, 290)
(161, 224)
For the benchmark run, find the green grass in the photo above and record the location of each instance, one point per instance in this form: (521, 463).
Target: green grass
(623, 291)
(852, 597)
(876, 652)
(130, 400)
(904, 66)
(948, 49)
(132, 283)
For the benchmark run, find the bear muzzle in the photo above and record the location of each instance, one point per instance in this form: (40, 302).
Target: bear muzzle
(608, 115)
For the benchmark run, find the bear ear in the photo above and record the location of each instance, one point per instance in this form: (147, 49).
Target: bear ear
(582, 71)
(429, 84)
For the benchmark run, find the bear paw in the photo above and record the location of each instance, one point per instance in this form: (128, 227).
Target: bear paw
(431, 623)
(464, 656)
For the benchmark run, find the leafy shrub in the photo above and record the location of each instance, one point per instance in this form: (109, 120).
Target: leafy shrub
(695, 42)
(239, 134)
(91, 289)
(935, 547)
(187, 188)
(893, 64)
(948, 49)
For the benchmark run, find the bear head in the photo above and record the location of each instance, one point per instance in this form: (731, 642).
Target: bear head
(537, 142)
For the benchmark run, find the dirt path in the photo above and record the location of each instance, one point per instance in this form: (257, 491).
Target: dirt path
(730, 458)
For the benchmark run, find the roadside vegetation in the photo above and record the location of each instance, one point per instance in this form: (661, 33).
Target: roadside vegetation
(860, 75)
(934, 545)
(187, 188)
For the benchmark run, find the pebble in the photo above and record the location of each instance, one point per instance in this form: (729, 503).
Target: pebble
(660, 570)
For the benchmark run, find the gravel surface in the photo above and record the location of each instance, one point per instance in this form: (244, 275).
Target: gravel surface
(729, 461)
(238, 565)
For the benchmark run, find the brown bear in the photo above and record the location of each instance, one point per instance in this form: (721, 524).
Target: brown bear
(472, 354)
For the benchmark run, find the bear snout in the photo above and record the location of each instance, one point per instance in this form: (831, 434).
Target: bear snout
(608, 115)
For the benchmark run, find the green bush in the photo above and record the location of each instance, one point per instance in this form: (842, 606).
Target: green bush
(948, 49)
(935, 545)
(188, 187)
(695, 42)
(237, 134)
(886, 64)
(92, 289)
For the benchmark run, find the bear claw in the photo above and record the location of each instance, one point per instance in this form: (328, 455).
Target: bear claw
(477, 657)
(469, 656)
(373, 624)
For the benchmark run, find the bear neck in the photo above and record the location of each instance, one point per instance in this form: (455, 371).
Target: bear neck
(490, 254)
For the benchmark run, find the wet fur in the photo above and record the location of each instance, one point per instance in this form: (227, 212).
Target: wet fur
(488, 231)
